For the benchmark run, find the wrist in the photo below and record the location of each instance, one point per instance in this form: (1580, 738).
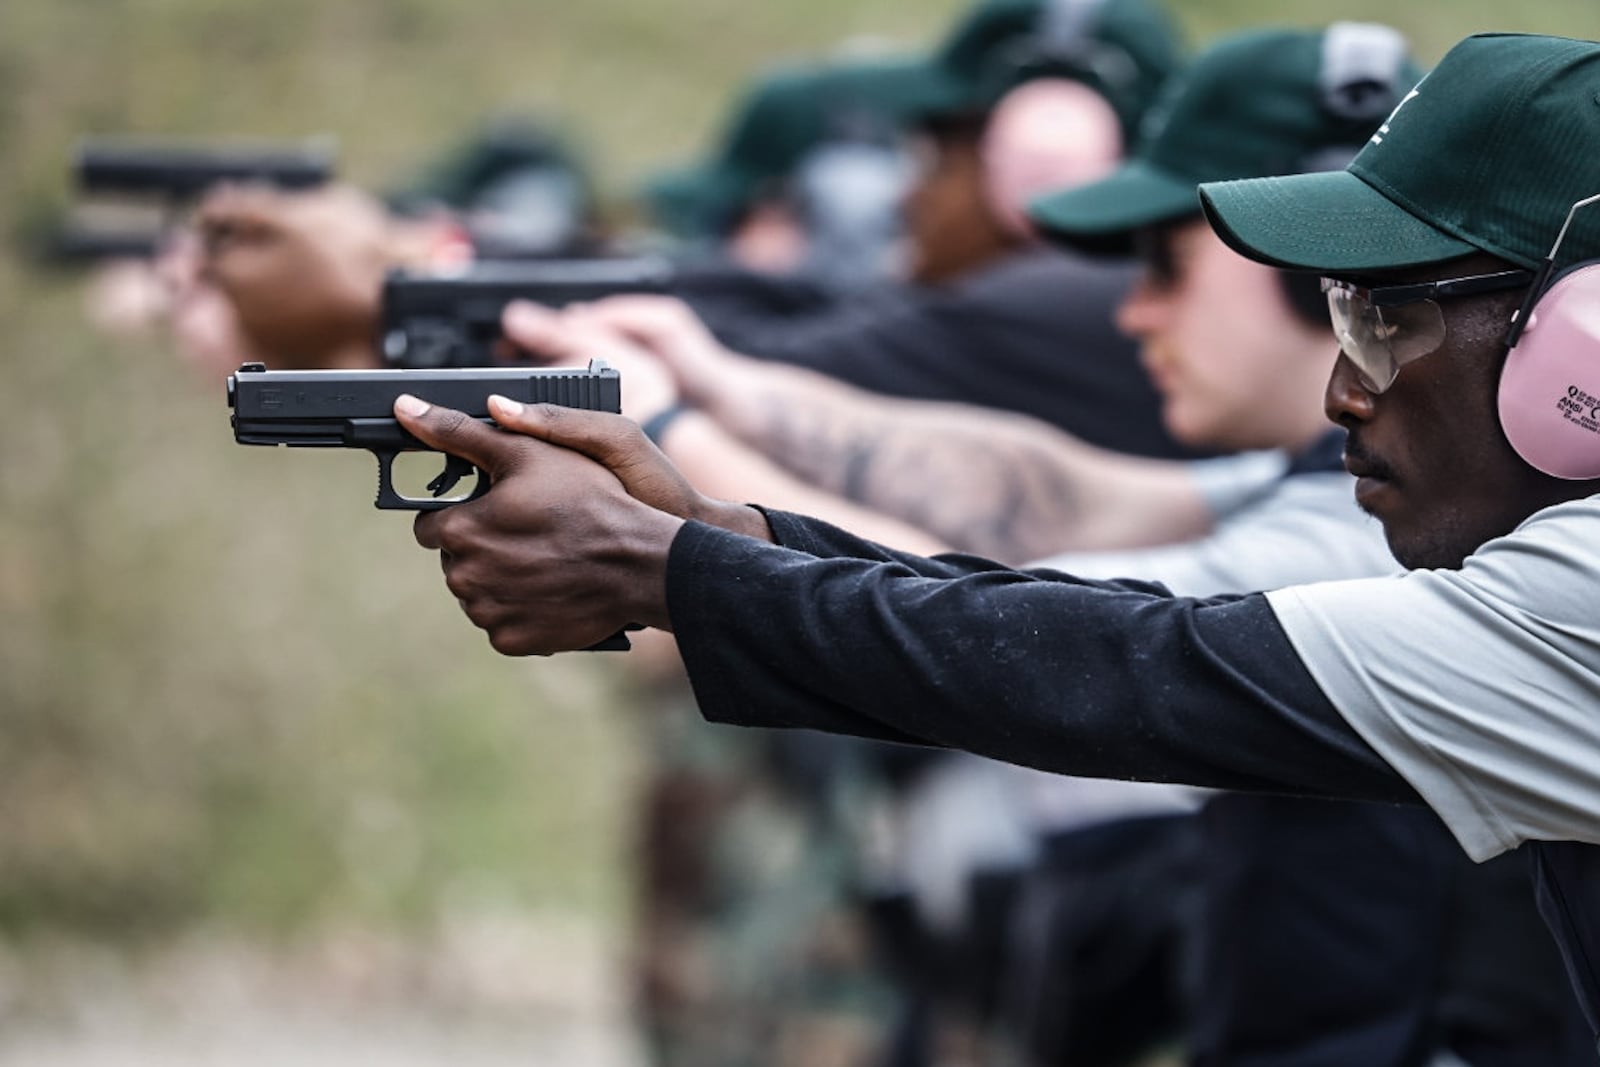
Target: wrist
(655, 427)
(645, 584)
(709, 382)
(735, 518)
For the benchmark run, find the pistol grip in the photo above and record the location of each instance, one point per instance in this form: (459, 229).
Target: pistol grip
(617, 642)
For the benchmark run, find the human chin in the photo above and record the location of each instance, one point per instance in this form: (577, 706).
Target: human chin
(1203, 419)
(1421, 541)
(1183, 423)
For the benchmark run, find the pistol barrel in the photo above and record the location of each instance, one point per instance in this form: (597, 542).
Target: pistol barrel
(181, 171)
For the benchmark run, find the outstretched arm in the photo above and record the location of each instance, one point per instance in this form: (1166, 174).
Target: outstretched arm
(1001, 484)
(716, 463)
(825, 631)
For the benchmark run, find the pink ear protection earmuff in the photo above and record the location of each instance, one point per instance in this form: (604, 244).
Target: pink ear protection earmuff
(1550, 385)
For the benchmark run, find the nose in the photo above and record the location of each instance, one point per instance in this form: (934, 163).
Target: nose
(1346, 399)
(1144, 310)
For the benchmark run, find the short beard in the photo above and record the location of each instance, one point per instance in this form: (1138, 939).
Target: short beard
(1440, 547)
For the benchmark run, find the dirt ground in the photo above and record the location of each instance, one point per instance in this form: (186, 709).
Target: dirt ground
(485, 992)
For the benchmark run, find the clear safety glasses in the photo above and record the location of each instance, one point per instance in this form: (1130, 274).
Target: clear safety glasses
(1382, 329)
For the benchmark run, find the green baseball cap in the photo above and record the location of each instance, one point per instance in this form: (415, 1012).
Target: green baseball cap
(1257, 103)
(1123, 49)
(788, 113)
(1488, 153)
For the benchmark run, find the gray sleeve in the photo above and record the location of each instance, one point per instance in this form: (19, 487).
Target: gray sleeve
(1479, 686)
(1304, 529)
(1229, 483)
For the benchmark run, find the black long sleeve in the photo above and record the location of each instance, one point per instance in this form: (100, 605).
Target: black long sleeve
(1033, 334)
(1103, 679)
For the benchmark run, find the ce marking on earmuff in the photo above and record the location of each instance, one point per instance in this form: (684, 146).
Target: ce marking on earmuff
(1580, 407)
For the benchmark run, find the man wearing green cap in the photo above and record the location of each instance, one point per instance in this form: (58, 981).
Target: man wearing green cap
(1022, 97)
(1468, 685)
(808, 175)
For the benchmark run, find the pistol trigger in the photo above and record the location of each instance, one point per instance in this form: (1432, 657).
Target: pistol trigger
(455, 469)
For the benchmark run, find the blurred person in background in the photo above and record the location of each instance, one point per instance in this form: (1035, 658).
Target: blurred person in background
(806, 183)
(517, 189)
(1022, 96)
(292, 277)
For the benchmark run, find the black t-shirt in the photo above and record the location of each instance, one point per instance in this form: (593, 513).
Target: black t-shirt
(1033, 334)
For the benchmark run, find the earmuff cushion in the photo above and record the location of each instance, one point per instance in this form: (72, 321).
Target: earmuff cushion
(1550, 385)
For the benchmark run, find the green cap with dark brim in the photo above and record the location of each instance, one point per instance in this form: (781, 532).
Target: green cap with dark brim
(785, 115)
(1258, 102)
(696, 200)
(1488, 153)
(1123, 49)
(1101, 217)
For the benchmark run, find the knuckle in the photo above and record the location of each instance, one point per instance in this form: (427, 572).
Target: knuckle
(425, 528)
(482, 614)
(450, 421)
(454, 531)
(511, 641)
(465, 584)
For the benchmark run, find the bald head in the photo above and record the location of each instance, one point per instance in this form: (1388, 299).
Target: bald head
(1046, 135)
(967, 208)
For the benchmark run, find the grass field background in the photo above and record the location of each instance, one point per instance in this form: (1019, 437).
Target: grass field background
(232, 695)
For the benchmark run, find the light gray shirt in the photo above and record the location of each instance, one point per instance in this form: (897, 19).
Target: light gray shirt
(1480, 686)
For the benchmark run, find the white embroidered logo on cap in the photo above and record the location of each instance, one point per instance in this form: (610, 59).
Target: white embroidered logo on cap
(1383, 131)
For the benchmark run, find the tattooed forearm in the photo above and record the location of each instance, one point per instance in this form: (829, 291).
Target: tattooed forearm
(996, 484)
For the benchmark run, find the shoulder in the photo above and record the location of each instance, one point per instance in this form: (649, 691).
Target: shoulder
(1542, 573)
(1478, 685)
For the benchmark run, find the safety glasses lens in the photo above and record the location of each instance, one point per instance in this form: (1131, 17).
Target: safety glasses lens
(1380, 340)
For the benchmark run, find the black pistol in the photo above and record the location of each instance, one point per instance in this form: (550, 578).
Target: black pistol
(177, 172)
(431, 321)
(355, 409)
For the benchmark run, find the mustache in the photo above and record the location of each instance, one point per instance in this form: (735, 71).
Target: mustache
(1369, 464)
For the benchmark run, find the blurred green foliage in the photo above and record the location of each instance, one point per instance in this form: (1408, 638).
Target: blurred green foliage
(231, 691)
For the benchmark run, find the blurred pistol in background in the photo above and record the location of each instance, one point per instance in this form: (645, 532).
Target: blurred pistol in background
(178, 172)
(453, 320)
(131, 189)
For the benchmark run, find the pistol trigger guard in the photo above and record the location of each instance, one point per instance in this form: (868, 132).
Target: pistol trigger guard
(387, 497)
(482, 487)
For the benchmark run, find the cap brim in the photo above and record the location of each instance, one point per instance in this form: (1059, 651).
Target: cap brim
(691, 201)
(1101, 217)
(1331, 222)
